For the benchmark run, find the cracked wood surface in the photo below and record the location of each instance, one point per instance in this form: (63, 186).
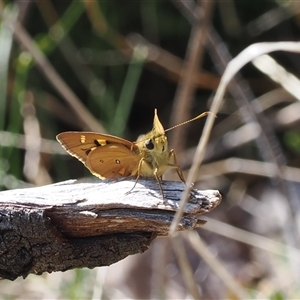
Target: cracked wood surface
(76, 224)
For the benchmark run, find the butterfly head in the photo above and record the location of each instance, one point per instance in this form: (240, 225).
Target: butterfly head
(155, 140)
(157, 144)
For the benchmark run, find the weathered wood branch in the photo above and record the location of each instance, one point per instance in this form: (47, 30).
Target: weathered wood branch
(72, 225)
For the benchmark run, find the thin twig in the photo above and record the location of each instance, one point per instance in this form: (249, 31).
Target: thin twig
(158, 59)
(187, 273)
(202, 249)
(66, 45)
(9, 139)
(252, 239)
(165, 63)
(182, 104)
(246, 166)
(233, 67)
(54, 78)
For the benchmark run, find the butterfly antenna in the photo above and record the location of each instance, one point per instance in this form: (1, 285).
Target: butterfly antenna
(191, 120)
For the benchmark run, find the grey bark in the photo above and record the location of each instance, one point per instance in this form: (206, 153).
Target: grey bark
(88, 224)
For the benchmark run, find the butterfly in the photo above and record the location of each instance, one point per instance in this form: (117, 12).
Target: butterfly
(108, 156)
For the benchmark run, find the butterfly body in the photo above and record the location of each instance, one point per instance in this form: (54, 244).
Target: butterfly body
(153, 149)
(108, 156)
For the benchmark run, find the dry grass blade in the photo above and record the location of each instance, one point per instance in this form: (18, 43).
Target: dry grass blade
(18, 141)
(33, 168)
(201, 248)
(54, 78)
(170, 66)
(273, 18)
(163, 62)
(184, 95)
(252, 239)
(233, 67)
(67, 47)
(247, 166)
(185, 267)
(270, 67)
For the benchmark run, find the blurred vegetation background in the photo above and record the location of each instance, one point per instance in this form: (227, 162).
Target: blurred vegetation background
(105, 66)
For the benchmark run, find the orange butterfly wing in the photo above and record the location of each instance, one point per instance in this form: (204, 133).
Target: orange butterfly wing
(106, 156)
(113, 161)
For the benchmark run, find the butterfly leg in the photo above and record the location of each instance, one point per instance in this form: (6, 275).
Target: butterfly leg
(173, 157)
(138, 174)
(158, 179)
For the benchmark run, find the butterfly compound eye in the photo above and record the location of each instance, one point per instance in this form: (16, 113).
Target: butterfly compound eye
(149, 145)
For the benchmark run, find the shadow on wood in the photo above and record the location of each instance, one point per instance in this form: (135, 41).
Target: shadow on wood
(76, 224)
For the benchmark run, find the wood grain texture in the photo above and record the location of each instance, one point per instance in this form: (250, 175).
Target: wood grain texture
(87, 224)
